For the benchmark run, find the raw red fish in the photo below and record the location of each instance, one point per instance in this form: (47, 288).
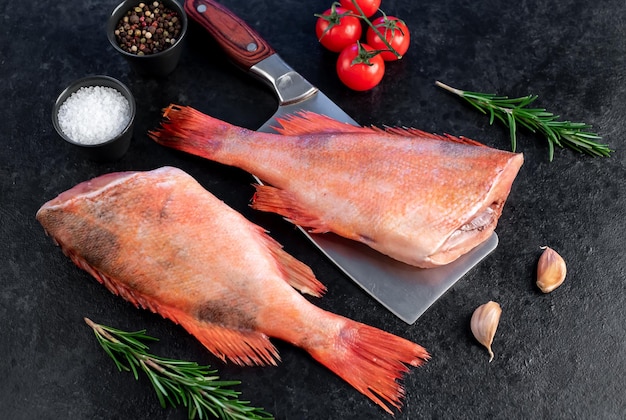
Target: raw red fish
(162, 242)
(420, 198)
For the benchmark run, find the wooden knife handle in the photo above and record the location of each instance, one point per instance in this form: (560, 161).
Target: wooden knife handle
(242, 43)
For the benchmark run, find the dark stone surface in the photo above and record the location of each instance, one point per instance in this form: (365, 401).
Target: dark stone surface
(561, 355)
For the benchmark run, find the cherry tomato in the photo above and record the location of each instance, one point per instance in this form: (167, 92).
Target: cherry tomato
(359, 68)
(395, 32)
(369, 7)
(337, 28)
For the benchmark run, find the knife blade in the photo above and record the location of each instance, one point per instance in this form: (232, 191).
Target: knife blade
(406, 291)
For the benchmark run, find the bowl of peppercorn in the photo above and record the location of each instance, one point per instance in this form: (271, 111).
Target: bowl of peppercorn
(149, 35)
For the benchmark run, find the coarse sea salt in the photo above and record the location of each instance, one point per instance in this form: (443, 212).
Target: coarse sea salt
(94, 115)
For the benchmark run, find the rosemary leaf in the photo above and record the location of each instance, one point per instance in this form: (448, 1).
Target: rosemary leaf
(514, 112)
(176, 382)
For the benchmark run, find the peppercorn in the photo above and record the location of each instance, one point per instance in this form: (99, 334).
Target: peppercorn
(148, 29)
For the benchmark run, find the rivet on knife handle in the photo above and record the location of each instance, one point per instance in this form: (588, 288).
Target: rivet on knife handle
(242, 43)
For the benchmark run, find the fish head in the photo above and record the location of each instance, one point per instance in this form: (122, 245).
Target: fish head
(86, 188)
(84, 211)
(93, 188)
(52, 214)
(473, 227)
(70, 220)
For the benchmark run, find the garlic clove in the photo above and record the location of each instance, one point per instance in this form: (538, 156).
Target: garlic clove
(484, 324)
(551, 270)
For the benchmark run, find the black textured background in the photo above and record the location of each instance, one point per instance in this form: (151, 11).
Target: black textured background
(560, 356)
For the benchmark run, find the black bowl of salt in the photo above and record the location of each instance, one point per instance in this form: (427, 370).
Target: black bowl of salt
(96, 114)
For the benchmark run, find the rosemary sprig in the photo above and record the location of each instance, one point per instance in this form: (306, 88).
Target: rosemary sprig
(514, 111)
(176, 381)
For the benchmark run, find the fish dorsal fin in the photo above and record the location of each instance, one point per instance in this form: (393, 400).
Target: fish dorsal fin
(414, 132)
(307, 122)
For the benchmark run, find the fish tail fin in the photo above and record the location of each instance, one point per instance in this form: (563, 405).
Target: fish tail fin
(371, 360)
(189, 130)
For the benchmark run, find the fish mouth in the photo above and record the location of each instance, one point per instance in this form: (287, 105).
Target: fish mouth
(481, 223)
(470, 234)
(484, 220)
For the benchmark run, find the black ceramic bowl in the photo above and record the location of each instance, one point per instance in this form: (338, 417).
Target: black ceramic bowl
(113, 148)
(159, 64)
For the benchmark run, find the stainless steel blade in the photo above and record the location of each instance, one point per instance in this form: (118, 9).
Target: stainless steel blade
(294, 93)
(317, 102)
(404, 290)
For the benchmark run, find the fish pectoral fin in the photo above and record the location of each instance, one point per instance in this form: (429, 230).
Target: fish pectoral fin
(245, 347)
(275, 200)
(307, 122)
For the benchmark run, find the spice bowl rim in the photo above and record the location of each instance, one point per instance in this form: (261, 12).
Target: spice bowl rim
(126, 5)
(94, 80)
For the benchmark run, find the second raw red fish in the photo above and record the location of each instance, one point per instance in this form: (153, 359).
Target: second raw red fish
(420, 198)
(162, 242)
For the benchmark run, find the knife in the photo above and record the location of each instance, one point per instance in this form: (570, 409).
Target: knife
(404, 290)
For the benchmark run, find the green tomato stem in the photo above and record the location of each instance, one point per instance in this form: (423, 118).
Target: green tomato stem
(375, 29)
